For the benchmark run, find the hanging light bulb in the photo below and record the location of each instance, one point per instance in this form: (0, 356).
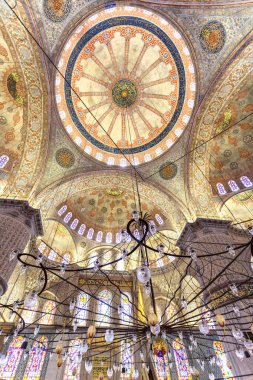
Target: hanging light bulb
(115, 367)
(212, 360)
(234, 289)
(220, 320)
(248, 344)
(250, 229)
(36, 330)
(124, 253)
(30, 300)
(109, 372)
(78, 358)
(155, 329)
(63, 268)
(120, 309)
(147, 288)
(84, 348)
(59, 348)
(161, 248)
(190, 348)
(72, 305)
(88, 365)
(59, 361)
(240, 353)
(109, 336)
(91, 332)
(136, 215)
(180, 334)
(143, 274)
(193, 254)
(75, 324)
(237, 311)
(23, 269)
(184, 303)
(135, 374)
(39, 259)
(203, 327)
(96, 265)
(14, 253)
(211, 376)
(237, 333)
(134, 338)
(74, 371)
(152, 229)
(230, 249)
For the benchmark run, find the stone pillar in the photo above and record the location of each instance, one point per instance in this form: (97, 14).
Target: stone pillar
(18, 223)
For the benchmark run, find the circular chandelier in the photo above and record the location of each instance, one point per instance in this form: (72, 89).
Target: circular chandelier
(148, 332)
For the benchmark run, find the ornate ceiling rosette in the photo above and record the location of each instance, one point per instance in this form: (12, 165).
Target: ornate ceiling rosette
(130, 85)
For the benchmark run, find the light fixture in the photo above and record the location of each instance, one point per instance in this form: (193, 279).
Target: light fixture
(31, 300)
(109, 372)
(143, 274)
(88, 365)
(109, 336)
(203, 327)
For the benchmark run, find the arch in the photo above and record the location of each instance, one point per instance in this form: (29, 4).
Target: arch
(104, 308)
(3, 161)
(182, 364)
(220, 354)
(162, 367)
(14, 354)
(62, 210)
(36, 359)
(48, 313)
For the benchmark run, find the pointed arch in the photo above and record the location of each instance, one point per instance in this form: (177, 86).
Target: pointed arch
(9, 368)
(182, 364)
(71, 362)
(104, 307)
(36, 359)
(48, 313)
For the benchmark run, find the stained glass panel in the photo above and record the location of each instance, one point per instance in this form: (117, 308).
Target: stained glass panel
(3, 161)
(71, 362)
(127, 308)
(162, 368)
(9, 368)
(182, 364)
(104, 310)
(126, 357)
(82, 308)
(48, 313)
(36, 359)
(220, 354)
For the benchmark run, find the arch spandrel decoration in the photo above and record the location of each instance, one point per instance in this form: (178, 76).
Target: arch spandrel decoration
(199, 162)
(172, 208)
(29, 99)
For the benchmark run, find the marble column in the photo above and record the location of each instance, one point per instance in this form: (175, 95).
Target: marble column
(18, 223)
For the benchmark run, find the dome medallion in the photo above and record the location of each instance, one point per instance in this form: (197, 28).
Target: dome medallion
(133, 71)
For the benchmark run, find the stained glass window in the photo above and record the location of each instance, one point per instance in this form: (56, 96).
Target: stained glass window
(42, 247)
(127, 308)
(74, 224)
(90, 233)
(220, 354)
(182, 364)
(221, 189)
(71, 362)
(99, 236)
(66, 258)
(48, 313)
(62, 210)
(246, 181)
(233, 185)
(118, 237)
(104, 309)
(126, 357)
(81, 229)
(162, 368)
(9, 368)
(82, 308)
(3, 161)
(36, 359)
(29, 314)
(159, 219)
(52, 255)
(108, 238)
(68, 217)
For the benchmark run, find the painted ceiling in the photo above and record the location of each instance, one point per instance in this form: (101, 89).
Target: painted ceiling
(130, 86)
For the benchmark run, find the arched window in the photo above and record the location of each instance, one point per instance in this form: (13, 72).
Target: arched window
(246, 181)
(62, 210)
(104, 309)
(9, 368)
(162, 367)
(220, 354)
(3, 161)
(81, 229)
(233, 185)
(127, 308)
(71, 362)
(118, 237)
(90, 233)
(36, 359)
(99, 236)
(74, 224)
(48, 312)
(137, 234)
(159, 262)
(66, 258)
(182, 364)
(52, 255)
(42, 247)
(127, 357)
(81, 310)
(108, 238)
(159, 219)
(221, 189)
(29, 314)
(68, 217)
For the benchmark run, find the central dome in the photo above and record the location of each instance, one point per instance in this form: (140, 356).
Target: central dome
(132, 85)
(124, 93)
